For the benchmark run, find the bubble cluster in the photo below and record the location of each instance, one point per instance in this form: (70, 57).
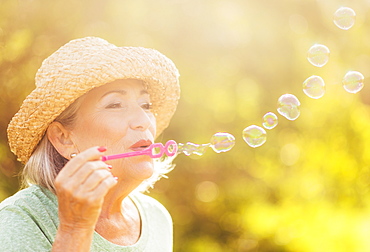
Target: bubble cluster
(192, 148)
(353, 81)
(220, 142)
(270, 120)
(288, 106)
(254, 136)
(318, 55)
(200, 149)
(344, 18)
(314, 87)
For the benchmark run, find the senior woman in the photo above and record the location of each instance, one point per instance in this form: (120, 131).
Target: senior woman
(92, 98)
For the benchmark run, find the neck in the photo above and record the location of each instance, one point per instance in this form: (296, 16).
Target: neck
(117, 199)
(119, 221)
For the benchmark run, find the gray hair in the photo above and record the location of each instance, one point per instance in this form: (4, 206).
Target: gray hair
(45, 162)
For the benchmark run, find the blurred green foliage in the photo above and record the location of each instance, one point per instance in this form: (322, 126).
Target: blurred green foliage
(306, 189)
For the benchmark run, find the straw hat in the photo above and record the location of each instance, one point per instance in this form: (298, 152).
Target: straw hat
(80, 66)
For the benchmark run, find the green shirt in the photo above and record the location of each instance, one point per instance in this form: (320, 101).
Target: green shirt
(29, 222)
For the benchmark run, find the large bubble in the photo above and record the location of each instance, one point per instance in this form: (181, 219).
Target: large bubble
(344, 18)
(314, 87)
(254, 136)
(222, 142)
(318, 55)
(353, 81)
(288, 106)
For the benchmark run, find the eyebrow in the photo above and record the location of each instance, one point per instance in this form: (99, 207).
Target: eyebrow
(123, 92)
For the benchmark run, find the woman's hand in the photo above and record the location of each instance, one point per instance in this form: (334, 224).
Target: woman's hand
(80, 187)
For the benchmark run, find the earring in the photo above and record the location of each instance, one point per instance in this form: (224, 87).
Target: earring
(73, 155)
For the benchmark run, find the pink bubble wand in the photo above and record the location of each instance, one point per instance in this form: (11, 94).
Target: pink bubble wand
(150, 151)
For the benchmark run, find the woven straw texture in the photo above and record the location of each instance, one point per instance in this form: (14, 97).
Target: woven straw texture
(80, 66)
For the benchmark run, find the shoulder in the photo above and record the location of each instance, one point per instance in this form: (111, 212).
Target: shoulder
(32, 204)
(30, 198)
(28, 219)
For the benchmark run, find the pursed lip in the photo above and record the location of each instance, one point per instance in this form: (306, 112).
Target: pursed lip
(140, 145)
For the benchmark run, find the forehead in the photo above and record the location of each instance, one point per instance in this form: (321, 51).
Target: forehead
(126, 85)
(122, 86)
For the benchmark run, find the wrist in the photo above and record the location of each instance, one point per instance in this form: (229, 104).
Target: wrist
(73, 237)
(72, 228)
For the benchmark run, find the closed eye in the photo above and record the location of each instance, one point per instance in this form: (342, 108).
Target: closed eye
(114, 105)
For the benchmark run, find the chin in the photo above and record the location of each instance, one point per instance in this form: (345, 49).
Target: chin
(145, 170)
(142, 170)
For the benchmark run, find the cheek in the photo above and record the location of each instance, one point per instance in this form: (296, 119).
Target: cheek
(153, 127)
(140, 167)
(101, 131)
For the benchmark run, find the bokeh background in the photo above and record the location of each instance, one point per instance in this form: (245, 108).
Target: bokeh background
(306, 189)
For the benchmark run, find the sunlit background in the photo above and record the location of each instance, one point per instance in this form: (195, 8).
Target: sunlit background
(306, 189)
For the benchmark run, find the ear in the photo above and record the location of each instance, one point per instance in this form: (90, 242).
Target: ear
(60, 138)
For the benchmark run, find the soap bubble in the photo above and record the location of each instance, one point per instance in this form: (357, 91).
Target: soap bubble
(222, 142)
(318, 55)
(254, 136)
(180, 148)
(201, 149)
(353, 81)
(191, 148)
(288, 106)
(344, 18)
(187, 148)
(314, 87)
(270, 120)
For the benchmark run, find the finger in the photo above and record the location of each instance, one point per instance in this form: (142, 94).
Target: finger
(91, 154)
(98, 193)
(84, 192)
(87, 169)
(104, 186)
(94, 179)
(74, 182)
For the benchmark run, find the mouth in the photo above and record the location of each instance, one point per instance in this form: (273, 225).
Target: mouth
(141, 145)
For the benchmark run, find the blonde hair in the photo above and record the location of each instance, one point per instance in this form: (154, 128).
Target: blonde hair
(45, 162)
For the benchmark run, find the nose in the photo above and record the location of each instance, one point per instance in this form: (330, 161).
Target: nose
(141, 119)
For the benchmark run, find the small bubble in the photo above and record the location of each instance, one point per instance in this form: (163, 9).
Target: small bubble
(314, 87)
(353, 81)
(318, 55)
(270, 120)
(201, 149)
(288, 106)
(180, 148)
(254, 136)
(222, 142)
(189, 148)
(192, 148)
(344, 18)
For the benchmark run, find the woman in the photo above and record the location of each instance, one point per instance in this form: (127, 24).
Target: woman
(91, 99)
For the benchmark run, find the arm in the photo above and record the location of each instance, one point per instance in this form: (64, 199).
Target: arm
(81, 187)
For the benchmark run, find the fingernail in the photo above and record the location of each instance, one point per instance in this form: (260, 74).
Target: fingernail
(110, 167)
(102, 148)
